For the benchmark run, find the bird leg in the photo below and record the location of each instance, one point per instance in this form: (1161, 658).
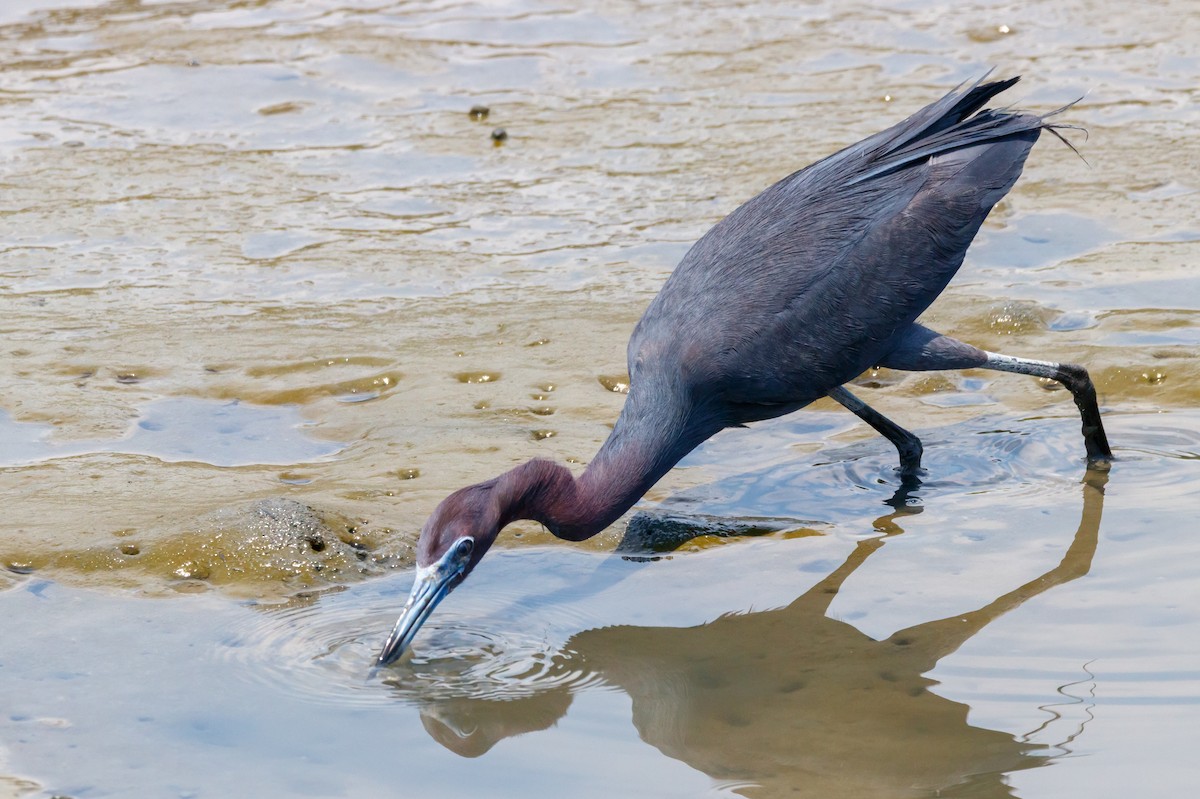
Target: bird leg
(1076, 380)
(907, 444)
(920, 349)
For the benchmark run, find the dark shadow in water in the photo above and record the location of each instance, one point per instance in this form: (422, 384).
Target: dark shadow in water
(790, 702)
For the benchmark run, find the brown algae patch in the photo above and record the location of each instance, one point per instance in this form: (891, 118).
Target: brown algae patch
(317, 365)
(293, 384)
(282, 108)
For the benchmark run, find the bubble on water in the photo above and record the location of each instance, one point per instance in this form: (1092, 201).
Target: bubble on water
(477, 377)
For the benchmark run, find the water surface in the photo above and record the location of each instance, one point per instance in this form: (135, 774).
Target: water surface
(268, 292)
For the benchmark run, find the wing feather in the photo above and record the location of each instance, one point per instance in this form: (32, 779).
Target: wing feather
(807, 284)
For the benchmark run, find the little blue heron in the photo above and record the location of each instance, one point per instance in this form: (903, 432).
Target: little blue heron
(795, 293)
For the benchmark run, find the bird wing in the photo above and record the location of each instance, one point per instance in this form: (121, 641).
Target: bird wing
(810, 282)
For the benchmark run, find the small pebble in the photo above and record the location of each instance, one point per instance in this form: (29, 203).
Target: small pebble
(478, 113)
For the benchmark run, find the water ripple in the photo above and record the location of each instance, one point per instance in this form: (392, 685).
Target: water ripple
(479, 645)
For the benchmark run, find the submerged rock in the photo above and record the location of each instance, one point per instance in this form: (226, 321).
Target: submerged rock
(260, 548)
(284, 524)
(274, 540)
(657, 532)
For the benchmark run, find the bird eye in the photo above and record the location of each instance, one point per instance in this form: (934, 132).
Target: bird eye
(465, 547)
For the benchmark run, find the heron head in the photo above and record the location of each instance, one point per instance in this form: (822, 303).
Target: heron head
(453, 541)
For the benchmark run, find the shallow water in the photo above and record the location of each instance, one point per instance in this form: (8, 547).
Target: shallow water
(258, 256)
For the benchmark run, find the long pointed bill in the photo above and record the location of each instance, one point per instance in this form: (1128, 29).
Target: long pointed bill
(431, 586)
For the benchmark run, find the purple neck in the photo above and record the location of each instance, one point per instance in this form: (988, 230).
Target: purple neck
(651, 436)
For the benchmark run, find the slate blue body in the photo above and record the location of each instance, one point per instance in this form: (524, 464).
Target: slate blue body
(822, 275)
(791, 296)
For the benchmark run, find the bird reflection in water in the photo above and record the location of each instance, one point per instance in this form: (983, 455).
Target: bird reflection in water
(790, 702)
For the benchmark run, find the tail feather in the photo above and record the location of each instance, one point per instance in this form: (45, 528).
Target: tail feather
(956, 121)
(949, 111)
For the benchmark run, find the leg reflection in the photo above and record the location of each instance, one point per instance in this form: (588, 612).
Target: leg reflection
(789, 701)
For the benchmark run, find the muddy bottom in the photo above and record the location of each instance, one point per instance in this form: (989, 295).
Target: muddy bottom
(1009, 614)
